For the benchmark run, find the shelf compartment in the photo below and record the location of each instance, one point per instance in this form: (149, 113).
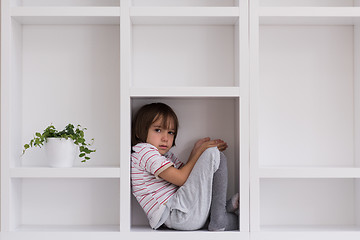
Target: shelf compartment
(169, 56)
(66, 15)
(65, 204)
(198, 118)
(306, 80)
(185, 3)
(309, 204)
(184, 15)
(72, 73)
(310, 172)
(186, 92)
(65, 172)
(309, 15)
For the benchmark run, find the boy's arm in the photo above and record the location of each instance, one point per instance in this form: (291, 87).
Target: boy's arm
(179, 176)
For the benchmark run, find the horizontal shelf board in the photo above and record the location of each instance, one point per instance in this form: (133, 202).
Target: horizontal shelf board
(199, 234)
(309, 15)
(44, 172)
(304, 172)
(186, 92)
(314, 235)
(185, 15)
(66, 15)
(322, 228)
(69, 228)
(65, 11)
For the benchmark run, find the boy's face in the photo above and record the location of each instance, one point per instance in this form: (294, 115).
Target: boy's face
(160, 136)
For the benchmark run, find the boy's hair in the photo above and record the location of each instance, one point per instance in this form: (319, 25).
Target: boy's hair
(147, 115)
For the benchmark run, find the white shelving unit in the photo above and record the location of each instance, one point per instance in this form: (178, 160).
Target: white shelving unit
(94, 62)
(304, 114)
(277, 79)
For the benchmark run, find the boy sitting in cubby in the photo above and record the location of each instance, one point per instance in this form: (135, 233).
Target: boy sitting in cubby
(179, 196)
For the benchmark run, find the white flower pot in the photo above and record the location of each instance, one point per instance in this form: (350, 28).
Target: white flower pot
(60, 152)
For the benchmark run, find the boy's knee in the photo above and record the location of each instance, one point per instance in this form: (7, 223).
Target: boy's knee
(213, 154)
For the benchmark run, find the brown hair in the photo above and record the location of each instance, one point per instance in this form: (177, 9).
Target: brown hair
(147, 115)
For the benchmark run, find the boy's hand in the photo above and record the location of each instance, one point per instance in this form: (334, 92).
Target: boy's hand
(205, 143)
(222, 146)
(199, 143)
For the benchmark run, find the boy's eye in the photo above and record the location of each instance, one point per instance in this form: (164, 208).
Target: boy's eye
(157, 130)
(172, 133)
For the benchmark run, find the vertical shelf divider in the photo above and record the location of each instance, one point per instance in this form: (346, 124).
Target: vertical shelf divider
(357, 111)
(125, 118)
(253, 137)
(243, 123)
(5, 114)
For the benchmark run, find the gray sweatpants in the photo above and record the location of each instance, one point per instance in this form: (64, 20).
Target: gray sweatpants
(189, 207)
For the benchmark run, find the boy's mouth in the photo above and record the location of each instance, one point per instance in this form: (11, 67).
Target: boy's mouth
(163, 147)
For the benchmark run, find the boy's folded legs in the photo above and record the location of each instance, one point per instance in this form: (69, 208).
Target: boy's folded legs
(190, 205)
(220, 219)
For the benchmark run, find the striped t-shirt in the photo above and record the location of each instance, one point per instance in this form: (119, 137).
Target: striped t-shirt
(151, 191)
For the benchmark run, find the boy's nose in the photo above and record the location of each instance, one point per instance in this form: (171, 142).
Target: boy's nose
(164, 137)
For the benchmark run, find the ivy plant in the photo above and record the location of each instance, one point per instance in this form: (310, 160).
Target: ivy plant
(76, 134)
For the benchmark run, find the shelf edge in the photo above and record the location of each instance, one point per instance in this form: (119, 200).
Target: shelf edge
(64, 172)
(186, 92)
(303, 172)
(65, 11)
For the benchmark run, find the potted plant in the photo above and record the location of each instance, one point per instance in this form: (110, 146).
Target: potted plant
(61, 145)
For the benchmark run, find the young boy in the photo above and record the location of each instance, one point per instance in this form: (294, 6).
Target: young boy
(170, 192)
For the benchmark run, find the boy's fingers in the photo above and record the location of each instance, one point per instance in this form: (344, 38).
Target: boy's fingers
(222, 143)
(204, 139)
(211, 144)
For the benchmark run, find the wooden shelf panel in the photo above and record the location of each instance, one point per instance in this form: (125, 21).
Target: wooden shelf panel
(186, 92)
(70, 228)
(200, 234)
(44, 172)
(66, 15)
(309, 15)
(304, 172)
(185, 15)
(322, 228)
